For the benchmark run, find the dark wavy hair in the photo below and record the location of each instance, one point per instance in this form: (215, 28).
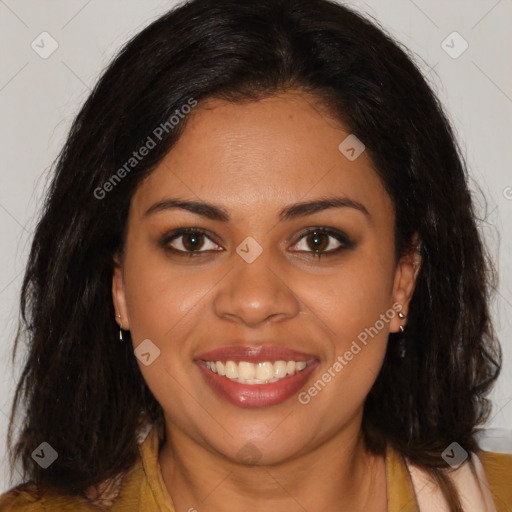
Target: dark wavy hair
(83, 393)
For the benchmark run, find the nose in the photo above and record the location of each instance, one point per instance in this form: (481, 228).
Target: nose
(255, 293)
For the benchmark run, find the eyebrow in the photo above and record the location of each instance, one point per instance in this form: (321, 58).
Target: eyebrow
(214, 212)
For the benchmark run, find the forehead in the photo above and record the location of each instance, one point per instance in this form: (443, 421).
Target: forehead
(262, 155)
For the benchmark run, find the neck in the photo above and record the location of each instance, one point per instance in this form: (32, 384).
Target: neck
(337, 475)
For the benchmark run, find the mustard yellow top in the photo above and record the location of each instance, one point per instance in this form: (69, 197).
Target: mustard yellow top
(143, 490)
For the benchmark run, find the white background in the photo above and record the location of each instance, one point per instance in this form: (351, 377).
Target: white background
(39, 98)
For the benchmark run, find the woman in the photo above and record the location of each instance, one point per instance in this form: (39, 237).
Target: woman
(257, 281)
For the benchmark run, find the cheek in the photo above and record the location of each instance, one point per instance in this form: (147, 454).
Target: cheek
(353, 304)
(163, 306)
(351, 297)
(159, 296)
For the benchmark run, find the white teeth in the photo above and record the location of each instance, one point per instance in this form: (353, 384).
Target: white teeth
(290, 367)
(246, 370)
(264, 371)
(221, 369)
(280, 369)
(231, 370)
(256, 373)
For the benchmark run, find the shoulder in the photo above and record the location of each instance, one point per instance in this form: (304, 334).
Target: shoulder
(26, 498)
(496, 460)
(20, 499)
(498, 470)
(117, 493)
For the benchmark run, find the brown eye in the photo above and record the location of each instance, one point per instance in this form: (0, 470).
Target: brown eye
(188, 241)
(323, 242)
(317, 241)
(193, 241)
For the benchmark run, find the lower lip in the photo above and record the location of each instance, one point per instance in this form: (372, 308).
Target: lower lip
(256, 395)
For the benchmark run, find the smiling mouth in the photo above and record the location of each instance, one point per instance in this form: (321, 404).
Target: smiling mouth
(263, 372)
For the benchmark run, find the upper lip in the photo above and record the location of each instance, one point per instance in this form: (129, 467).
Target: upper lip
(254, 354)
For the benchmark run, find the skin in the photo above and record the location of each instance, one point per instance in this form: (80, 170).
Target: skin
(254, 159)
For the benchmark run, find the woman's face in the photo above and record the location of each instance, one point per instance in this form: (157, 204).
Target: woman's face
(248, 287)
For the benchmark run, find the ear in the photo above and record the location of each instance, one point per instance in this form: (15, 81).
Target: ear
(119, 294)
(405, 281)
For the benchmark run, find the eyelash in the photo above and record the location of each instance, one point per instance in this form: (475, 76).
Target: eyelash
(341, 237)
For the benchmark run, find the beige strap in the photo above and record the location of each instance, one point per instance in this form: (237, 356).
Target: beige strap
(475, 493)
